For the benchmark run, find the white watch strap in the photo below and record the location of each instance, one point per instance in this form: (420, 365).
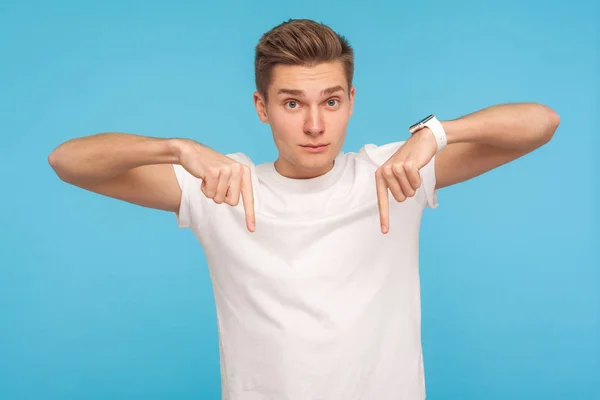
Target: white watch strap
(438, 132)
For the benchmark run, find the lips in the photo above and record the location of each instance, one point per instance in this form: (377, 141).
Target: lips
(315, 148)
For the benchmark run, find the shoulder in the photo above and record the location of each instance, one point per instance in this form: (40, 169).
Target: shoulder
(242, 158)
(376, 154)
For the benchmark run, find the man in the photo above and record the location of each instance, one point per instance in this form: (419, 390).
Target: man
(314, 257)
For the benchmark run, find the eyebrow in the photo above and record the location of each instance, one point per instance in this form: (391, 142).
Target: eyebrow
(297, 92)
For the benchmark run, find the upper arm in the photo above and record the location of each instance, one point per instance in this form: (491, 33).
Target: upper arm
(153, 186)
(459, 162)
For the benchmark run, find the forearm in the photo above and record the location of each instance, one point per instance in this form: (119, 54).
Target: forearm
(106, 155)
(516, 126)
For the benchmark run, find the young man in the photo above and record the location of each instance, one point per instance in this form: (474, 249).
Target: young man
(314, 257)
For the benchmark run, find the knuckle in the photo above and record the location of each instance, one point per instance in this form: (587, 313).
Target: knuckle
(233, 199)
(213, 172)
(408, 190)
(398, 195)
(226, 171)
(237, 167)
(233, 170)
(388, 171)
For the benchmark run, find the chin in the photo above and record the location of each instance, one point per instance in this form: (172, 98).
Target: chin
(316, 163)
(307, 165)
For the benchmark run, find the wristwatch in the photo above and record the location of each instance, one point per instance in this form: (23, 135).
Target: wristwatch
(435, 126)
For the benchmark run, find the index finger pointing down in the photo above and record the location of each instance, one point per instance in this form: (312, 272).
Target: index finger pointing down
(383, 202)
(248, 199)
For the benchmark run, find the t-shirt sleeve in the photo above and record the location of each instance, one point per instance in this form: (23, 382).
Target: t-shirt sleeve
(192, 205)
(378, 155)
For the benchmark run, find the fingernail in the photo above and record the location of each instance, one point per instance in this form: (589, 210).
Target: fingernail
(252, 225)
(384, 229)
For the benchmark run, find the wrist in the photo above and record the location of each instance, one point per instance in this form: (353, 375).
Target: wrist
(433, 129)
(451, 132)
(179, 148)
(176, 147)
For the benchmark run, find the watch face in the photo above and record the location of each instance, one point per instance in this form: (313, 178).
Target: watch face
(419, 125)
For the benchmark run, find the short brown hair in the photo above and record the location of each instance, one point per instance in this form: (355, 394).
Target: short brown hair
(300, 42)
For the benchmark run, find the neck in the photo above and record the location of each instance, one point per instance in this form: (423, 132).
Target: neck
(292, 171)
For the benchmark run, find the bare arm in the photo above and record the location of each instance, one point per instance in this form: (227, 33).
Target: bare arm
(133, 168)
(477, 143)
(138, 169)
(486, 139)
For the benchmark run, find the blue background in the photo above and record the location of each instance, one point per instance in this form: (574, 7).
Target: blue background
(100, 299)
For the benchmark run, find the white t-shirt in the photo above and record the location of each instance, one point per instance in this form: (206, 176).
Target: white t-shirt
(317, 303)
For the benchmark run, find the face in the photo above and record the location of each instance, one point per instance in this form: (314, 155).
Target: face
(308, 110)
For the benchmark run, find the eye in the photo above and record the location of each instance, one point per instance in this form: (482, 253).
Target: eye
(292, 104)
(332, 102)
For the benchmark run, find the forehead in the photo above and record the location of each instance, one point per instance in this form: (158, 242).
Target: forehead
(310, 79)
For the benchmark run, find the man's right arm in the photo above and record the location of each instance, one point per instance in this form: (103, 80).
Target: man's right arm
(138, 169)
(132, 168)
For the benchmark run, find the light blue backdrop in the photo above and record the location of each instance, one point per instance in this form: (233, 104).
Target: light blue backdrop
(100, 299)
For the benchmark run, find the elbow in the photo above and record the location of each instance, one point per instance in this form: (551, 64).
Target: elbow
(56, 161)
(552, 121)
(53, 159)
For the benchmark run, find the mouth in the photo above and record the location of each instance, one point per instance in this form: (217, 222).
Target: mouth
(315, 148)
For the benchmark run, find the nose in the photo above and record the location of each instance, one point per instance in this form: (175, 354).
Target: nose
(314, 124)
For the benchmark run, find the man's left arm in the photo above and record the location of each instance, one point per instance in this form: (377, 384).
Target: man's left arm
(489, 138)
(476, 143)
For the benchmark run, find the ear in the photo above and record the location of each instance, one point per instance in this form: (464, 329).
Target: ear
(261, 107)
(351, 100)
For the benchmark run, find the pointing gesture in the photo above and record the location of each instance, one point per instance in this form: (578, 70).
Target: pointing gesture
(400, 174)
(223, 179)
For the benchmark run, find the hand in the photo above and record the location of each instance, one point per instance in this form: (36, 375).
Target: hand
(223, 179)
(400, 174)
